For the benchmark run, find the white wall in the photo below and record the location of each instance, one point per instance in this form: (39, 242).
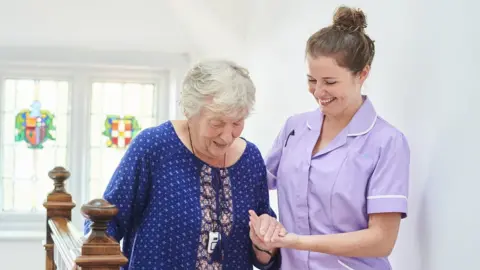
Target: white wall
(423, 81)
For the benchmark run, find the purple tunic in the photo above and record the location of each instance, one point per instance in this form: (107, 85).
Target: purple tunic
(364, 170)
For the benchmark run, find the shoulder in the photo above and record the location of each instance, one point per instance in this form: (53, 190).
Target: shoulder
(388, 137)
(154, 142)
(252, 152)
(300, 120)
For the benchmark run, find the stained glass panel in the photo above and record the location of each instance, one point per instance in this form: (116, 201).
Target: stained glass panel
(41, 143)
(118, 112)
(35, 126)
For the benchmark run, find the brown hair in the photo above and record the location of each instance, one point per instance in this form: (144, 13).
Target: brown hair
(345, 40)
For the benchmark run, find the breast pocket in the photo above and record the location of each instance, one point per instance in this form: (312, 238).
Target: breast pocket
(349, 192)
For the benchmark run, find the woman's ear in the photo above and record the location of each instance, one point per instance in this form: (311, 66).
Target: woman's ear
(363, 75)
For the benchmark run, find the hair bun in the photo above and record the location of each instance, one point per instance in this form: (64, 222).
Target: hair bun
(350, 19)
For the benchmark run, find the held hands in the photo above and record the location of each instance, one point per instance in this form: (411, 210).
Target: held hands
(267, 233)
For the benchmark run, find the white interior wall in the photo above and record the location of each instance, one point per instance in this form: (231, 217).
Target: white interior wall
(424, 81)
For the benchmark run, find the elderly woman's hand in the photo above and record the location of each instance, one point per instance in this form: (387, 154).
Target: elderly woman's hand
(269, 233)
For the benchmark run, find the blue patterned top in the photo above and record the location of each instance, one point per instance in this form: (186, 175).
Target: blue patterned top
(157, 189)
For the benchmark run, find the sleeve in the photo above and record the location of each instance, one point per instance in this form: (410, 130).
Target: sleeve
(128, 188)
(274, 156)
(263, 207)
(388, 186)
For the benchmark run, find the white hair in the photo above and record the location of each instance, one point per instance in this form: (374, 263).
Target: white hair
(219, 85)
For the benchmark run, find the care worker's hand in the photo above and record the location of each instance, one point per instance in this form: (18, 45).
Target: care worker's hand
(270, 231)
(264, 226)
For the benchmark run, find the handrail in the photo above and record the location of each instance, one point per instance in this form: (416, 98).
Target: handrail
(65, 248)
(67, 242)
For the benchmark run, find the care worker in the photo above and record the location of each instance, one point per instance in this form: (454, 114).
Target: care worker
(341, 171)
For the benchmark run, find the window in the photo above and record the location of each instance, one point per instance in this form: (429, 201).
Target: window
(76, 114)
(34, 140)
(118, 112)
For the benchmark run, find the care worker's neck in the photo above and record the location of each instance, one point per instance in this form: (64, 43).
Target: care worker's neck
(346, 116)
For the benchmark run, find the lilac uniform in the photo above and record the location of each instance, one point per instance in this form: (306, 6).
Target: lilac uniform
(364, 170)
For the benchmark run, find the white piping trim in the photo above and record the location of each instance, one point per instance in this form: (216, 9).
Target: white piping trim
(271, 175)
(368, 129)
(344, 265)
(308, 126)
(387, 197)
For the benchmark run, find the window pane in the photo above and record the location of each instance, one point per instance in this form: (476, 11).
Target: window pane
(24, 162)
(63, 106)
(96, 188)
(23, 195)
(119, 112)
(42, 188)
(61, 131)
(8, 128)
(8, 161)
(147, 100)
(7, 194)
(112, 98)
(44, 161)
(132, 99)
(9, 104)
(35, 135)
(60, 157)
(95, 163)
(25, 93)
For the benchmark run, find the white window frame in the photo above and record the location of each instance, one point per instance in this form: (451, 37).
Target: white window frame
(81, 68)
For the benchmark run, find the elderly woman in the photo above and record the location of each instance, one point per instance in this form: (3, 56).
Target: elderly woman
(184, 188)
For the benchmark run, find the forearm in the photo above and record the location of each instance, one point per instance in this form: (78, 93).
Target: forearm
(262, 256)
(363, 243)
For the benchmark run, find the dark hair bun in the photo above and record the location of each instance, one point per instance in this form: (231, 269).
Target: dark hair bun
(350, 19)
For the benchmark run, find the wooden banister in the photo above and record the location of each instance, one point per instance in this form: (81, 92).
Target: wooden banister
(59, 204)
(99, 251)
(65, 247)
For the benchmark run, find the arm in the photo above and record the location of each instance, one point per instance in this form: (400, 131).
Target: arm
(274, 156)
(128, 188)
(386, 205)
(377, 240)
(264, 258)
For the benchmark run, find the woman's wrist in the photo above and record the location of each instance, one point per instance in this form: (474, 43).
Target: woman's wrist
(270, 252)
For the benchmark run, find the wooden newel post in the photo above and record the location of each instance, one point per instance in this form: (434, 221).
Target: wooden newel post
(100, 251)
(59, 204)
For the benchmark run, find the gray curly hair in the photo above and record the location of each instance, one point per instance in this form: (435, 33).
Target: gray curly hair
(219, 85)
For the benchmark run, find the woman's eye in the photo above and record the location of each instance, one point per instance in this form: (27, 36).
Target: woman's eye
(312, 81)
(330, 82)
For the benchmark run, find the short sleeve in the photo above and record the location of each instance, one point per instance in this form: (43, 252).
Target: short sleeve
(388, 185)
(274, 156)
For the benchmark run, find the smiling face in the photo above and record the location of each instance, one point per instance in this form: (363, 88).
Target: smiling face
(213, 134)
(335, 88)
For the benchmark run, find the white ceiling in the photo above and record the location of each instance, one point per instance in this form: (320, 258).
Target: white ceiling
(180, 26)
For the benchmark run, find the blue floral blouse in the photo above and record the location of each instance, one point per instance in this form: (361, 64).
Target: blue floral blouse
(166, 202)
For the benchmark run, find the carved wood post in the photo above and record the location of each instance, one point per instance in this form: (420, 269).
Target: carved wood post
(99, 251)
(58, 204)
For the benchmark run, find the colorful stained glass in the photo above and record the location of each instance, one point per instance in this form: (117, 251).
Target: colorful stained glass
(34, 126)
(120, 130)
